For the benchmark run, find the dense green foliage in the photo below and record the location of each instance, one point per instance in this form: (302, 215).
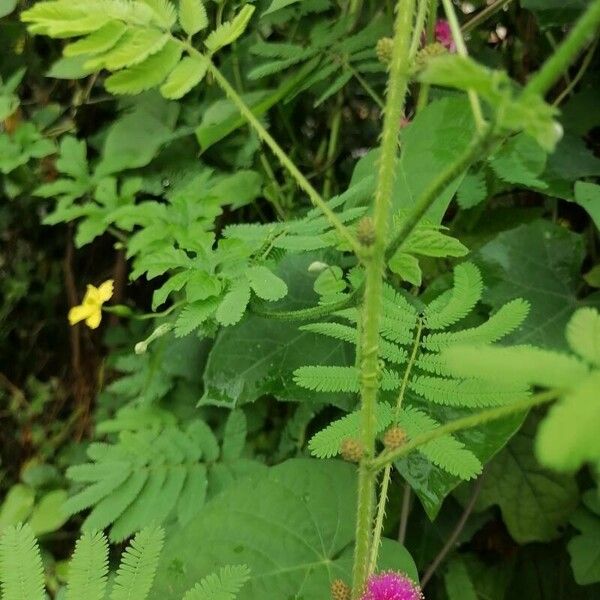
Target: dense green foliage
(248, 243)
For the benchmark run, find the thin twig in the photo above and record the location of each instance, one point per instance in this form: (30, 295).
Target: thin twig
(460, 525)
(406, 497)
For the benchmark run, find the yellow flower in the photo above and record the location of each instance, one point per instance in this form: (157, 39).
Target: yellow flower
(90, 309)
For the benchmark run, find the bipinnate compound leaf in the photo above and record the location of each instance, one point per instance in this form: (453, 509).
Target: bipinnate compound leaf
(21, 571)
(534, 502)
(223, 585)
(293, 527)
(327, 442)
(88, 568)
(192, 16)
(138, 565)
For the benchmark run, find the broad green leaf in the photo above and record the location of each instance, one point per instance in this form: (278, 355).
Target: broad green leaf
(7, 6)
(185, 76)
(293, 527)
(101, 40)
(134, 139)
(430, 144)
(458, 582)
(192, 16)
(234, 436)
(229, 31)
(265, 283)
(534, 502)
(587, 195)
(148, 74)
(258, 356)
(541, 263)
(17, 505)
(585, 547)
(520, 160)
(48, 514)
(555, 12)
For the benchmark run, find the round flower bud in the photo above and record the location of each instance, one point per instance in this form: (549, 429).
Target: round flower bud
(365, 231)
(351, 450)
(384, 49)
(394, 437)
(429, 52)
(340, 590)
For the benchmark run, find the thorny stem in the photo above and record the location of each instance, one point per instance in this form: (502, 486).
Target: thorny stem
(372, 303)
(480, 418)
(461, 48)
(284, 159)
(419, 26)
(387, 473)
(581, 34)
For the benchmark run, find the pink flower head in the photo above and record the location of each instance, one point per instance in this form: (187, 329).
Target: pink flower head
(443, 35)
(391, 586)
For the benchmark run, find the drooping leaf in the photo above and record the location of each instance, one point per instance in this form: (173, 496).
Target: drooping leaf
(534, 502)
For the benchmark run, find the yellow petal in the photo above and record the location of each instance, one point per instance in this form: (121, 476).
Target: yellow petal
(94, 319)
(81, 312)
(98, 295)
(106, 290)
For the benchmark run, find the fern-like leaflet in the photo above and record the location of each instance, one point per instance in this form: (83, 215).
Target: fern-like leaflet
(428, 382)
(568, 436)
(22, 576)
(156, 474)
(135, 40)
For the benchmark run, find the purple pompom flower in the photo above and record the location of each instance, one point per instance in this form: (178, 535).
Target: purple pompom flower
(443, 35)
(391, 586)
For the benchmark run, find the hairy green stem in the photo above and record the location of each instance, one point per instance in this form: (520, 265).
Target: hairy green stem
(364, 84)
(461, 48)
(389, 456)
(474, 151)
(304, 314)
(420, 22)
(284, 159)
(387, 474)
(372, 304)
(581, 35)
